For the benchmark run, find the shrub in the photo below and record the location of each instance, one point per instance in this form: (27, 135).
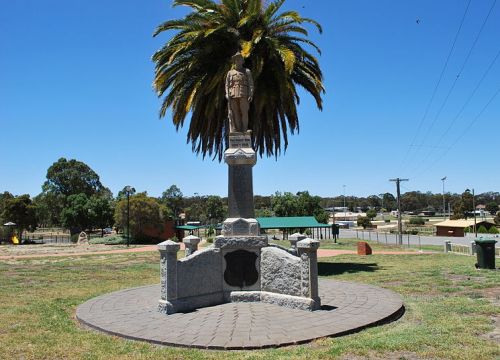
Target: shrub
(417, 221)
(110, 240)
(371, 214)
(482, 230)
(387, 220)
(493, 230)
(467, 230)
(210, 240)
(364, 222)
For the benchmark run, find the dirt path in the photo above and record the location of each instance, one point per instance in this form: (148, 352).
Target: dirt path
(74, 251)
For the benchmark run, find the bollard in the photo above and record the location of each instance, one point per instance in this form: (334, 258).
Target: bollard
(447, 246)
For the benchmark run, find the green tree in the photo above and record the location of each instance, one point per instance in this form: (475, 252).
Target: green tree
(122, 194)
(463, 206)
(389, 201)
(145, 213)
(191, 69)
(214, 209)
(70, 177)
(492, 207)
(21, 211)
(76, 215)
(301, 204)
(371, 214)
(418, 220)
(173, 199)
(101, 212)
(4, 197)
(364, 221)
(48, 208)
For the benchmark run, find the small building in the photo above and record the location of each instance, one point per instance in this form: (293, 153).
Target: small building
(456, 228)
(347, 216)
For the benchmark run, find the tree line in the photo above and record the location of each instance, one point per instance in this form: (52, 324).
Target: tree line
(73, 197)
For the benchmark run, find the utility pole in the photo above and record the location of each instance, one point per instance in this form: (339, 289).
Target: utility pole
(400, 223)
(444, 204)
(344, 204)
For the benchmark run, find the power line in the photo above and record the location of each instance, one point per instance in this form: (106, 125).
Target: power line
(455, 118)
(471, 124)
(438, 82)
(450, 91)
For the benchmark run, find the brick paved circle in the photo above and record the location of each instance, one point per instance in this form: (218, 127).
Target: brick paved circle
(347, 307)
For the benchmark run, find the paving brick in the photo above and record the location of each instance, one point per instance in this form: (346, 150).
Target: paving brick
(132, 313)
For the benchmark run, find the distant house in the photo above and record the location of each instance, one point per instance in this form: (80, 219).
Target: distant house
(347, 216)
(456, 228)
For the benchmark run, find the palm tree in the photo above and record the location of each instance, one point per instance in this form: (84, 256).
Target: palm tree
(191, 68)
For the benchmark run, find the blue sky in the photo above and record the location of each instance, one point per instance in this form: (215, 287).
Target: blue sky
(75, 82)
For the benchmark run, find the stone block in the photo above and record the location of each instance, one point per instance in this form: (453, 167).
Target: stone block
(294, 238)
(240, 227)
(308, 245)
(199, 274)
(280, 272)
(169, 246)
(240, 156)
(364, 248)
(240, 140)
(236, 242)
(191, 244)
(245, 296)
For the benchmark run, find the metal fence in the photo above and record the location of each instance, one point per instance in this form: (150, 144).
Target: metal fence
(47, 239)
(388, 238)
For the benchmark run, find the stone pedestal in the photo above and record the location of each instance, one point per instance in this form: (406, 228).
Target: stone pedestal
(240, 266)
(294, 239)
(168, 275)
(240, 158)
(191, 244)
(308, 252)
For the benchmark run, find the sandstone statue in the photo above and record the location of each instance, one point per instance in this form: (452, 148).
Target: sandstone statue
(239, 94)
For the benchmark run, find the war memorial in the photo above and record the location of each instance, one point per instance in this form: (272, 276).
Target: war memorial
(241, 292)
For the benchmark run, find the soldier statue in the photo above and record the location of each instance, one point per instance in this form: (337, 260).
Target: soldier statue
(239, 94)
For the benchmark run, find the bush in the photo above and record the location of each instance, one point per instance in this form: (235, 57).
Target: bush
(467, 230)
(74, 238)
(417, 221)
(482, 230)
(364, 222)
(493, 230)
(110, 240)
(387, 220)
(210, 240)
(371, 214)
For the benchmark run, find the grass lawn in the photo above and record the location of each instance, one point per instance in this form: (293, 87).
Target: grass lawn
(450, 309)
(351, 244)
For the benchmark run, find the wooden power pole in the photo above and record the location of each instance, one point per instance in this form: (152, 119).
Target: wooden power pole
(400, 223)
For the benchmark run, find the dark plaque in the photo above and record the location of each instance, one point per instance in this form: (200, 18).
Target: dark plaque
(240, 268)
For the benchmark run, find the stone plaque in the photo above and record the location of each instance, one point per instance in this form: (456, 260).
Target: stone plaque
(240, 141)
(240, 227)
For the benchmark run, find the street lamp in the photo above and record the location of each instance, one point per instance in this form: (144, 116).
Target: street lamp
(444, 203)
(128, 191)
(344, 204)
